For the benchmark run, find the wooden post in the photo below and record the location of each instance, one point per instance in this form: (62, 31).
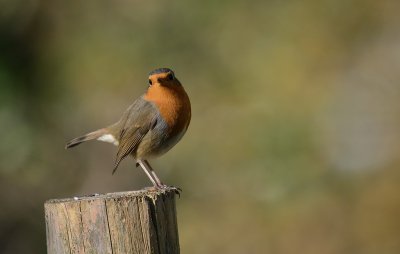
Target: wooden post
(125, 222)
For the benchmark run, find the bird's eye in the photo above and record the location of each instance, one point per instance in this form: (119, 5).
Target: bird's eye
(150, 82)
(170, 76)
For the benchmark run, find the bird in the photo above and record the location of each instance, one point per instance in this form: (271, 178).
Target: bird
(150, 126)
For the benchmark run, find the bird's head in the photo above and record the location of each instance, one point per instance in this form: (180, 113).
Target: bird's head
(163, 77)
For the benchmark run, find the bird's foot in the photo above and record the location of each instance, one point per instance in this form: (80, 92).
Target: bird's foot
(177, 190)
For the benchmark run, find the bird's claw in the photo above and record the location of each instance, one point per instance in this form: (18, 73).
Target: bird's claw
(177, 190)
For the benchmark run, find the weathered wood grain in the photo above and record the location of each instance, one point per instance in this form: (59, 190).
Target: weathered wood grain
(124, 222)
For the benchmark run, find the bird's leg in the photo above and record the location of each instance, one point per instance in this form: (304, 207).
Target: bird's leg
(155, 177)
(148, 172)
(176, 189)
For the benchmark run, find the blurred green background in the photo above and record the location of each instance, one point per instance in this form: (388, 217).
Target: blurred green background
(295, 137)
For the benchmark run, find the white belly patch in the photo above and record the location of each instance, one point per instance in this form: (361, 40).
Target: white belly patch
(109, 139)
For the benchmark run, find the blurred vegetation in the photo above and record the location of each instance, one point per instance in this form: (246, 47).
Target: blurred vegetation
(295, 137)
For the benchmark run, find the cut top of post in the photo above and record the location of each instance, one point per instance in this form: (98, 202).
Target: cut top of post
(124, 222)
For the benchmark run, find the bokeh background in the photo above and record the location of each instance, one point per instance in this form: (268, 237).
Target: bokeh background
(295, 139)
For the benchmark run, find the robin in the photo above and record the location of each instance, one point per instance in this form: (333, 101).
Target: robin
(151, 126)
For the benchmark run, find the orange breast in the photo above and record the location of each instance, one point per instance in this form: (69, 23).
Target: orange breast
(173, 104)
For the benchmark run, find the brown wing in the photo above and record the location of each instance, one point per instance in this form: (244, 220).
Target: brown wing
(135, 123)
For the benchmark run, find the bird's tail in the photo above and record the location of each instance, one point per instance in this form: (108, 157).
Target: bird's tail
(90, 136)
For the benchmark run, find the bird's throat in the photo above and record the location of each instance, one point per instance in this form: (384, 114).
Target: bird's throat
(172, 102)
